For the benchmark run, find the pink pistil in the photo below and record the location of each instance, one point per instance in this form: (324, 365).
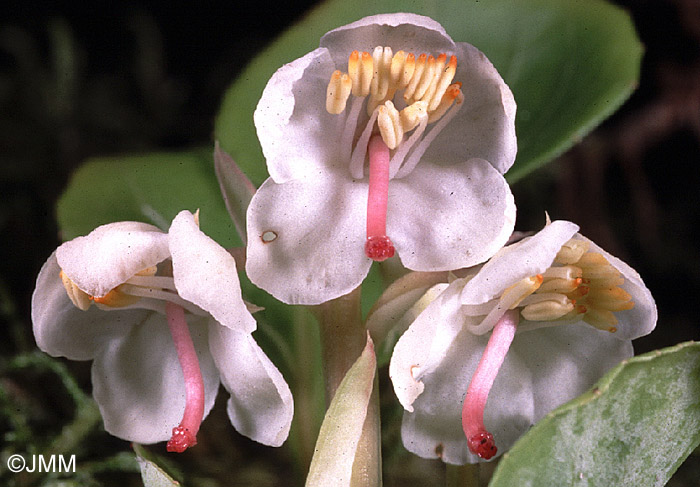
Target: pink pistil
(479, 440)
(378, 246)
(185, 434)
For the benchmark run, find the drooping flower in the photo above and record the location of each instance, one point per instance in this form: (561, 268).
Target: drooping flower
(531, 329)
(162, 317)
(389, 137)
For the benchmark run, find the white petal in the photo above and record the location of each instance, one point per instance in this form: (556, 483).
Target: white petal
(434, 429)
(298, 136)
(62, 330)
(484, 127)
(111, 254)
(138, 384)
(566, 360)
(306, 238)
(423, 347)
(205, 274)
(641, 319)
(529, 257)
(261, 405)
(449, 217)
(401, 31)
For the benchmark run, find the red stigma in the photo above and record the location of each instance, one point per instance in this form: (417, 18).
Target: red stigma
(181, 440)
(483, 445)
(379, 248)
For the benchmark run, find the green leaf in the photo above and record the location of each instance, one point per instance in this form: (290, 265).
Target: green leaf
(635, 427)
(150, 188)
(342, 427)
(569, 64)
(152, 474)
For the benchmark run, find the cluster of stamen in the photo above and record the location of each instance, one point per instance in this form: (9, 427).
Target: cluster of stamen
(581, 284)
(144, 290)
(426, 82)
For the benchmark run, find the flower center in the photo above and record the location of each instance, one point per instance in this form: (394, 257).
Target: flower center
(580, 284)
(428, 97)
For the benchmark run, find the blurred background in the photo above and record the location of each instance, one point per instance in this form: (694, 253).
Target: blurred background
(79, 81)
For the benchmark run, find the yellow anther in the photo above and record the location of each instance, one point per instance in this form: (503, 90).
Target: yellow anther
(615, 299)
(563, 272)
(571, 251)
(150, 271)
(381, 59)
(80, 298)
(415, 79)
(354, 69)
(601, 319)
(452, 94)
(521, 289)
(591, 260)
(412, 115)
(426, 79)
(409, 68)
(390, 125)
(563, 286)
(338, 92)
(397, 68)
(549, 310)
(436, 76)
(446, 76)
(367, 72)
(116, 299)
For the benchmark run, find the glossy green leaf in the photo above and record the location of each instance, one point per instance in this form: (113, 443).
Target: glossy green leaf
(150, 188)
(635, 427)
(342, 427)
(569, 64)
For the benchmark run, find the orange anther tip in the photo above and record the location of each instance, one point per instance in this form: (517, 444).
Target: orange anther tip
(411, 57)
(366, 55)
(612, 329)
(421, 58)
(581, 309)
(336, 75)
(539, 278)
(453, 61)
(355, 54)
(442, 57)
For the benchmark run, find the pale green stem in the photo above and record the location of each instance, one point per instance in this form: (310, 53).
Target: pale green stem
(463, 475)
(343, 337)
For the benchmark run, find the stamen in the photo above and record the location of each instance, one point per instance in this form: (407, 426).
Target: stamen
(378, 246)
(78, 297)
(510, 299)
(571, 251)
(185, 434)
(389, 125)
(338, 92)
(479, 440)
(417, 75)
(428, 139)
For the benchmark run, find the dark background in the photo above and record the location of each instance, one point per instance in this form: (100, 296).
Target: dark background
(147, 77)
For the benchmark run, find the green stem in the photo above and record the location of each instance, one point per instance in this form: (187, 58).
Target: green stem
(343, 337)
(463, 475)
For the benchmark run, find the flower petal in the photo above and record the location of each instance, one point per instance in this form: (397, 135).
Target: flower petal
(442, 218)
(528, 257)
(298, 136)
(434, 429)
(111, 254)
(261, 405)
(484, 127)
(63, 330)
(573, 357)
(138, 383)
(422, 348)
(306, 238)
(205, 274)
(641, 319)
(400, 31)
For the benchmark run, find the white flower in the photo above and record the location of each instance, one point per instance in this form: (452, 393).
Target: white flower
(168, 325)
(405, 150)
(570, 310)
